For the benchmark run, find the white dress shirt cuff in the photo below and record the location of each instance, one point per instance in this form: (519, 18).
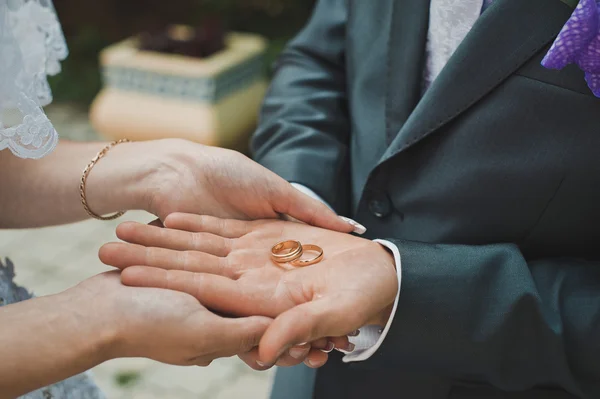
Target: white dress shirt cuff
(370, 338)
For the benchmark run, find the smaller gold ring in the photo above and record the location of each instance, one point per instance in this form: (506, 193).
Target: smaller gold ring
(294, 247)
(310, 261)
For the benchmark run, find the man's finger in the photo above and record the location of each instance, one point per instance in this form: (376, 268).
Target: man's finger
(152, 236)
(215, 292)
(326, 317)
(122, 255)
(227, 228)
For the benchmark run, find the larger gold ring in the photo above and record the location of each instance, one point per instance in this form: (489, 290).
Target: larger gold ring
(309, 261)
(280, 255)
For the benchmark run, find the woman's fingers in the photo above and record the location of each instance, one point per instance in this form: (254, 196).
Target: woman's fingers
(328, 344)
(122, 255)
(228, 228)
(296, 355)
(290, 201)
(321, 344)
(152, 236)
(316, 358)
(251, 360)
(340, 342)
(313, 355)
(306, 354)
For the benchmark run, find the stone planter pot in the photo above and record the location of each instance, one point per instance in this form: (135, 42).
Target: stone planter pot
(150, 95)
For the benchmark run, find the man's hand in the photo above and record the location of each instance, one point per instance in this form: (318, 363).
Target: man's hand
(226, 265)
(164, 325)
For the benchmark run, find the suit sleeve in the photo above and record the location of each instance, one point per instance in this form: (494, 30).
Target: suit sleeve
(483, 313)
(303, 134)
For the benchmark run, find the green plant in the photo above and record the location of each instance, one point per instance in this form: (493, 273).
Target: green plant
(127, 378)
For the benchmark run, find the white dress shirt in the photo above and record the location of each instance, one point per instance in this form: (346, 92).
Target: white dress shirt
(449, 22)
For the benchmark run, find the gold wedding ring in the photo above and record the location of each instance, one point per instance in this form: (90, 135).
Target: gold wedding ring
(310, 261)
(286, 251)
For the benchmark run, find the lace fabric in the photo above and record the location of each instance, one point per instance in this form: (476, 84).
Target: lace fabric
(32, 46)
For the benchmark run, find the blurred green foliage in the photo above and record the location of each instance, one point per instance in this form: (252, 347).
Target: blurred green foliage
(127, 378)
(91, 25)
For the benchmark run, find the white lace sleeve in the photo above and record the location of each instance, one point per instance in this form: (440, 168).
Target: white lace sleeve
(31, 48)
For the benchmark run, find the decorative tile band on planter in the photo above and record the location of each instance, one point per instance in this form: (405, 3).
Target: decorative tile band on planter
(150, 95)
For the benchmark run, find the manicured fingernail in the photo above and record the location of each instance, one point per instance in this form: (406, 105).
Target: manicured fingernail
(312, 363)
(330, 346)
(348, 349)
(298, 353)
(261, 364)
(358, 228)
(354, 333)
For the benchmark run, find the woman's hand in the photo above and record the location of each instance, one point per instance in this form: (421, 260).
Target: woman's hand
(226, 265)
(51, 338)
(160, 176)
(189, 177)
(163, 325)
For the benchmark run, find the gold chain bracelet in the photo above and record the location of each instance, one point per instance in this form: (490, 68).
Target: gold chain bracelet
(84, 177)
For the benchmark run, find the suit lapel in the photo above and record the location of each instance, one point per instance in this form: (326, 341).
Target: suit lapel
(410, 20)
(508, 34)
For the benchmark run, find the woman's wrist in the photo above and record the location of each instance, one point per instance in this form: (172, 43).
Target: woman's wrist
(95, 317)
(95, 331)
(139, 175)
(121, 180)
(48, 339)
(47, 192)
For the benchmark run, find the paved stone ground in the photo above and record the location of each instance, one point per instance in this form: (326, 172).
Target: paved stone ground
(52, 259)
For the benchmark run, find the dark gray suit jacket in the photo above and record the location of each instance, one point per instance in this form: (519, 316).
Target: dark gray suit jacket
(489, 184)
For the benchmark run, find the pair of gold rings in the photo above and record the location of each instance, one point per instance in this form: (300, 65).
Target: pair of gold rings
(291, 252)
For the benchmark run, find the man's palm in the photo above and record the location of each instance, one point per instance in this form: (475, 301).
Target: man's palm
(226, 264)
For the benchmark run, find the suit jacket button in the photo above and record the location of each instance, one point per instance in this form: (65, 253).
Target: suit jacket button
(380, 207)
